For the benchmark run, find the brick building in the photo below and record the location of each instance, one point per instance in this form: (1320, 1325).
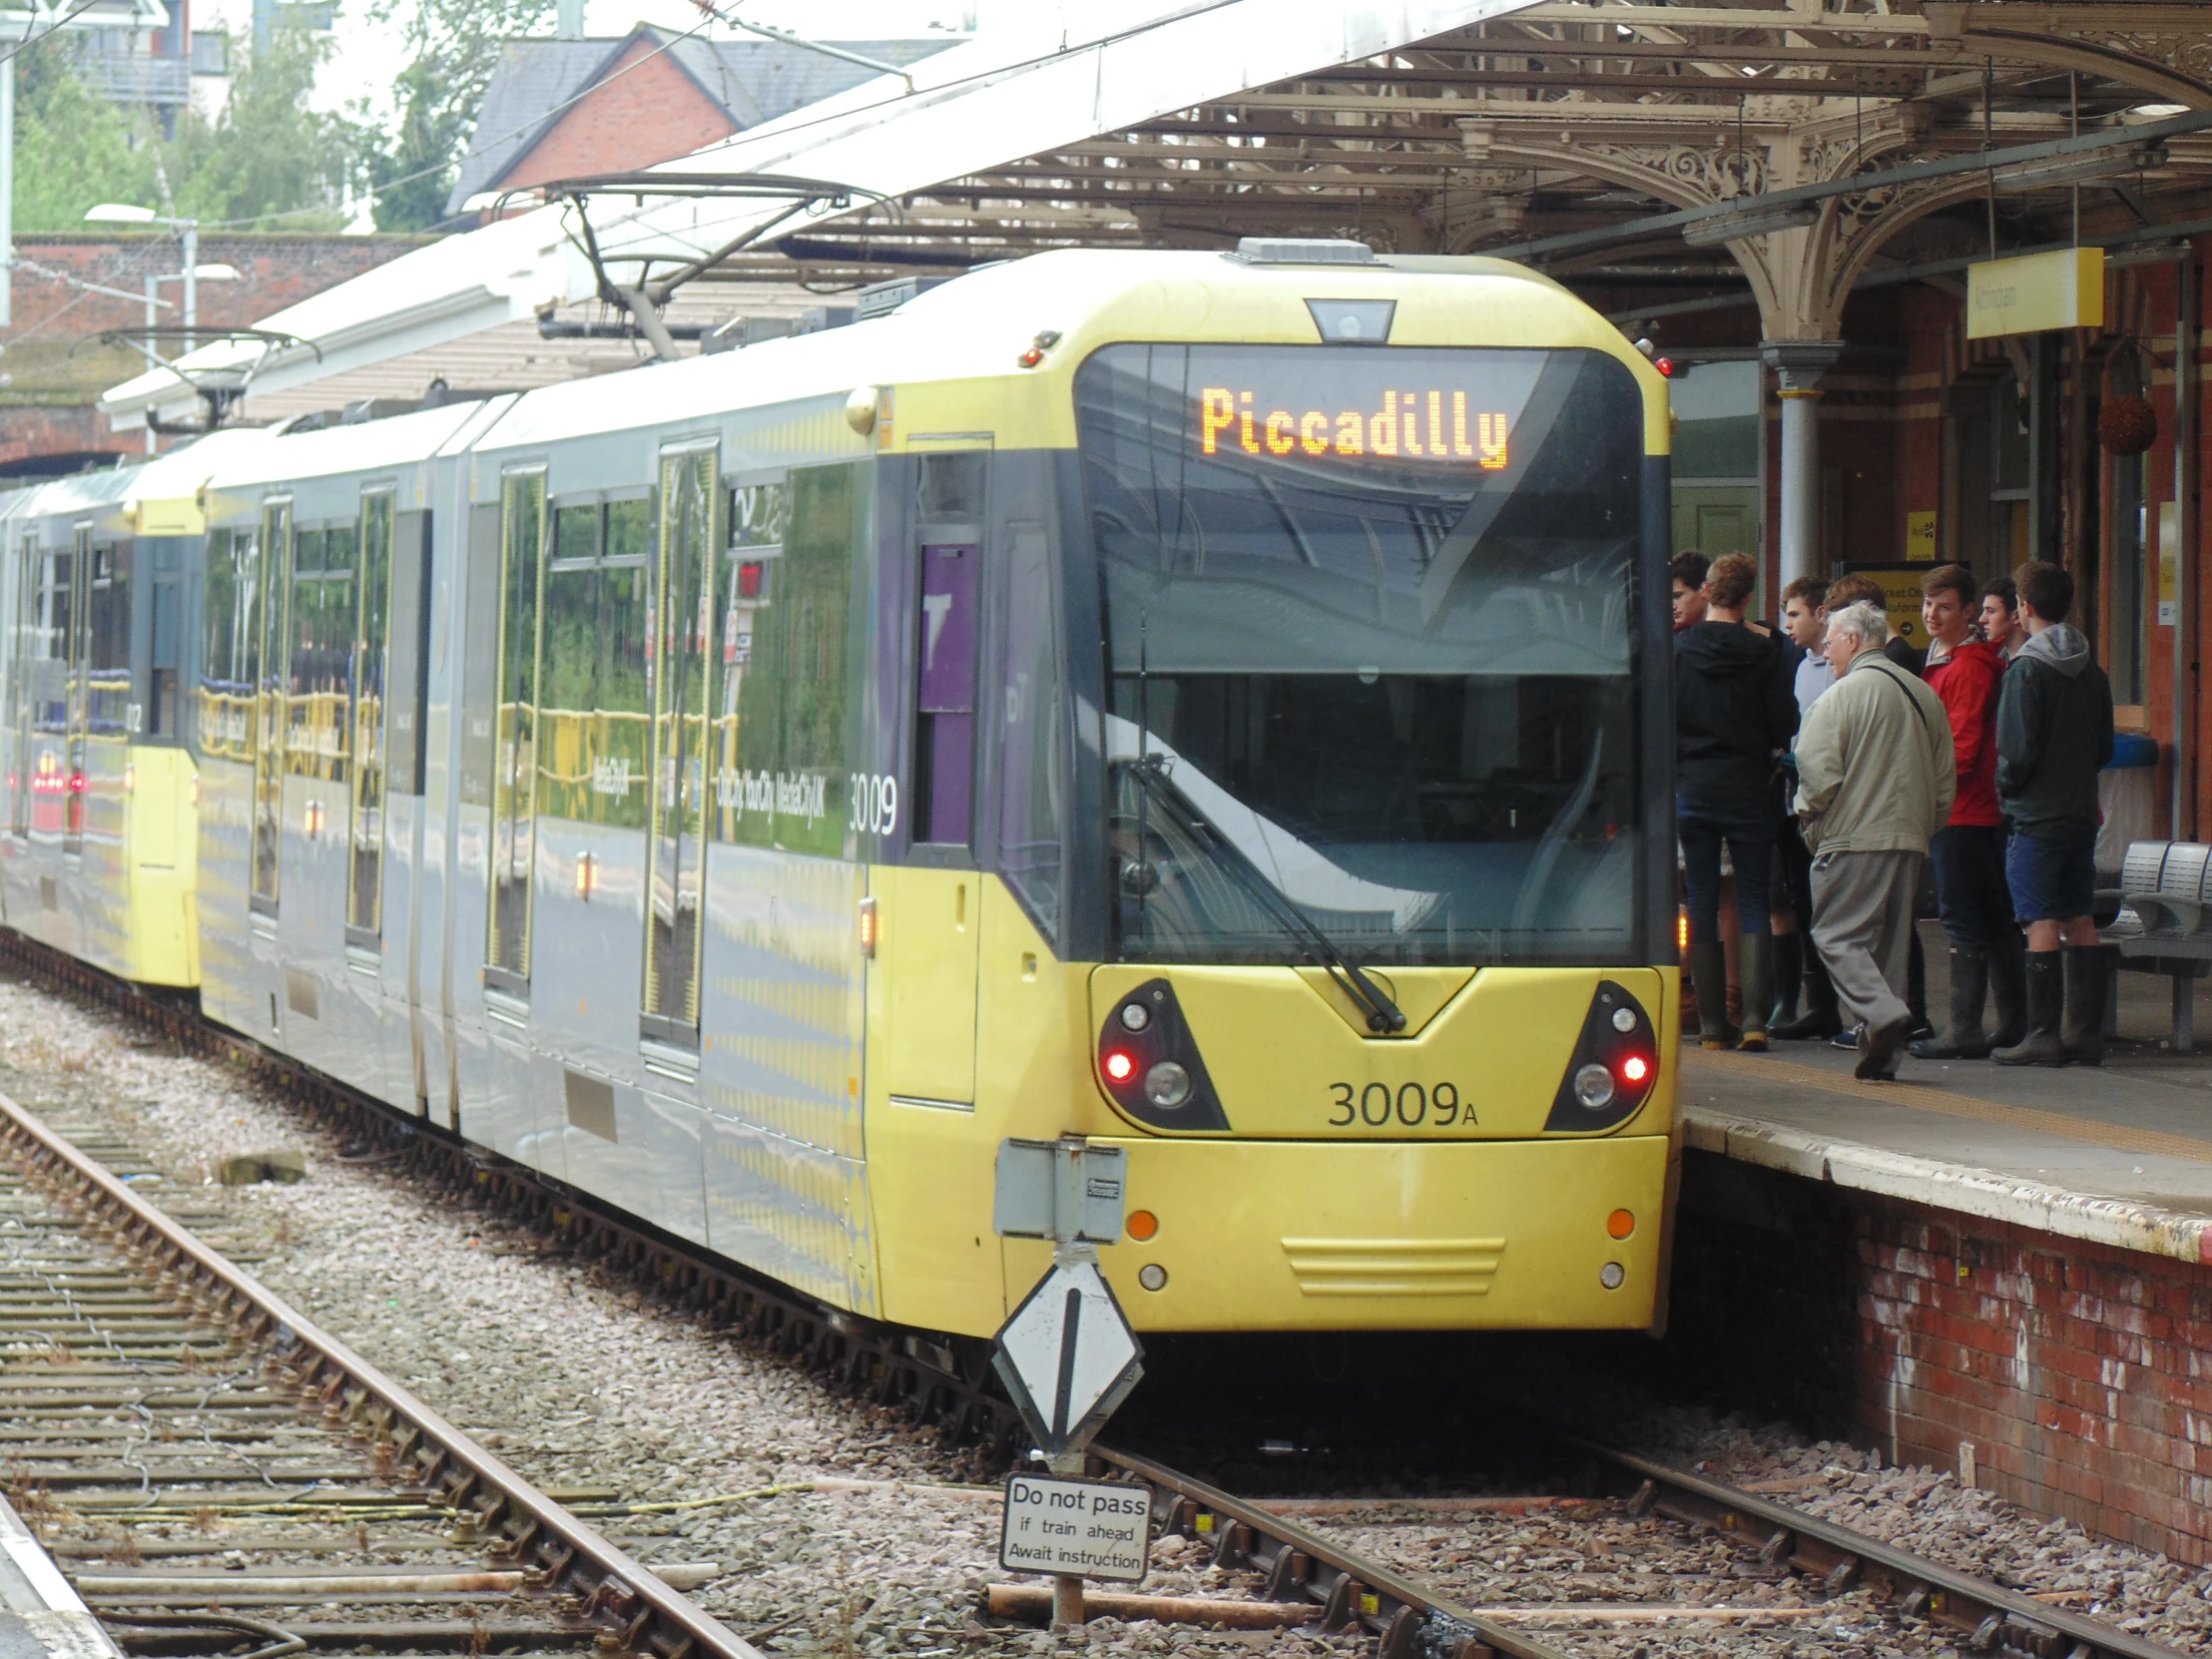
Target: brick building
(558, 109)
(55, 362)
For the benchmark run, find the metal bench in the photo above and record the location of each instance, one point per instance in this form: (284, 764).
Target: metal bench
(2165, 925)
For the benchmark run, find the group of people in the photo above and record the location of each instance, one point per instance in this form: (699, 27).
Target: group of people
(1830, 762)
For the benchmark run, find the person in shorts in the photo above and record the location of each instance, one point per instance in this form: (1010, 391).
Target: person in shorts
(2055, 733)
(1968, 853)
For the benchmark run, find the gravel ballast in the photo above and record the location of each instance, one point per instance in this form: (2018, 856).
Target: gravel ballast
(606, 1397)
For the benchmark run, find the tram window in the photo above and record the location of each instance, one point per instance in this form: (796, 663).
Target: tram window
(230, 644)
(271, 676)
(1033, 723)
(757, 513)
(680, 783)
(108, 659)
(570, 776)
(322, 640)
(781, 777)
(515, 738)
(1376, 634)
(951, 487)
(364, 888)
(624, 623)
(165, 657)
(51, 632)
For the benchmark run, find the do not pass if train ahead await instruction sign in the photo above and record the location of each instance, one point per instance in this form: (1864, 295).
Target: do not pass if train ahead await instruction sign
(1086, 1528)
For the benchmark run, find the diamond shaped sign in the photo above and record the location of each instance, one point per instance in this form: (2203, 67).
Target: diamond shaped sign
(1068, 1357)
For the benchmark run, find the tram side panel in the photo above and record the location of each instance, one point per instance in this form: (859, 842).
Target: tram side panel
(803, 743)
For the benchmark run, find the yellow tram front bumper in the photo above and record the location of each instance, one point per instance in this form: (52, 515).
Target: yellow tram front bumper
(1392, 1235)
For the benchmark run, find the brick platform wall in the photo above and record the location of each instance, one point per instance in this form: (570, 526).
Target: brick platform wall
(2080, 1372)
(275, 271)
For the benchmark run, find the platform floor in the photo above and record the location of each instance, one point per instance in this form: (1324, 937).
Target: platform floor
(2120, 1154)
(39, 1612)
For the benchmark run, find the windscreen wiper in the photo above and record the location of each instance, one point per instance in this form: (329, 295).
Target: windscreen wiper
(1382, 1013)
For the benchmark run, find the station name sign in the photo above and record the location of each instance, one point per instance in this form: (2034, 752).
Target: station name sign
(1432, 424)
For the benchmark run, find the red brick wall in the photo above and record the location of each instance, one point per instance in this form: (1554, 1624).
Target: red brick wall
(47, 429)
(2082, 1374)
(650, 112)
(278, 271)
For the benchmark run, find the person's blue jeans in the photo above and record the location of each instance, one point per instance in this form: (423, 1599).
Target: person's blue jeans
(1970, 890)
(1750, 848)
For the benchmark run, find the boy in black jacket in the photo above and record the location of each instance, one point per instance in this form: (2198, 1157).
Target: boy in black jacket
(2055, 733)
(1734, 712)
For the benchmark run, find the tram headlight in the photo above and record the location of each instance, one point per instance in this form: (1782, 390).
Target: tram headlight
(1593, 1086)
(1167, 1085)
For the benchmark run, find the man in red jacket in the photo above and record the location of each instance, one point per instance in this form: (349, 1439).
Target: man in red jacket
(1969, 853)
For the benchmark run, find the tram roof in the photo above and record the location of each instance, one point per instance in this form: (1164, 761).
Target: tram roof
(1510, 126)
(987, 102)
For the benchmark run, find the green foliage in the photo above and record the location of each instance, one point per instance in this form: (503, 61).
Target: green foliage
(266, 160)
(455, 47)
(269, 156)
(73, 148)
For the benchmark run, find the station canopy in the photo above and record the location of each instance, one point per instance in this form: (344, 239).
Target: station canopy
(1762, 154)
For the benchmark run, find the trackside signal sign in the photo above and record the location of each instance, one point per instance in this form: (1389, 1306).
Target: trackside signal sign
(1081, 1529)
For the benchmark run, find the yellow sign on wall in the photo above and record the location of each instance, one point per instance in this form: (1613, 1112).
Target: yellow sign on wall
(1920, 538)
(2035, 292)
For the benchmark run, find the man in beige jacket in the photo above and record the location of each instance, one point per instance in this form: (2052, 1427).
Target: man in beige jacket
(1875, 780)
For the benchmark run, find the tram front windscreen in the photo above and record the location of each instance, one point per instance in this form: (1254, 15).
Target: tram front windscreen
(1369, 623)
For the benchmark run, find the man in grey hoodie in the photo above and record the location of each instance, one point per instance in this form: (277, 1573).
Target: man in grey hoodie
(2055, 732)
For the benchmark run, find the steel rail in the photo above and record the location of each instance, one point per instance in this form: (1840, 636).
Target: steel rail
(2002, 1620)
(1352, 1590)
(908, 1368)
(632, 1607)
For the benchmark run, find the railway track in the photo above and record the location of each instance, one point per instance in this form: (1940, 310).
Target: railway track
(1310, 1576)
(1298, 1573)
(209, 1468)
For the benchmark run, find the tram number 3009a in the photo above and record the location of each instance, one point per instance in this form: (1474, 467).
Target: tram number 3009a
(1409, 1106)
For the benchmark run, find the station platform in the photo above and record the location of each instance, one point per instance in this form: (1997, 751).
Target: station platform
(2118, 1154)
(39, 1612)
(2006, 1271)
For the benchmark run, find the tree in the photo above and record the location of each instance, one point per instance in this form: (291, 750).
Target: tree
(270, 162)
(73, 148)
(455, 48)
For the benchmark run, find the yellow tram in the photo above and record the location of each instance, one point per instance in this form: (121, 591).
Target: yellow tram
(1211, 704)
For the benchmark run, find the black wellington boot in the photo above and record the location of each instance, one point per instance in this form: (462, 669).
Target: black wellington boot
(1788, 979)
(1969, 985)
(2082, 1032)
(1755, 961)
(2008, 990)
(1708, 965)
(1915, 989)
(1822, 1019)
(2047, 1008)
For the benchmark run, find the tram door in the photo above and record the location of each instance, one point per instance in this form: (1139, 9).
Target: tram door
(365, 883)
(515, 738)
(80, 690)
(939, 918)
(680, 637)
(22, 764)
(272, 683)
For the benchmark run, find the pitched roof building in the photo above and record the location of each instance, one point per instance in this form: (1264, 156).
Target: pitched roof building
(556, 109)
